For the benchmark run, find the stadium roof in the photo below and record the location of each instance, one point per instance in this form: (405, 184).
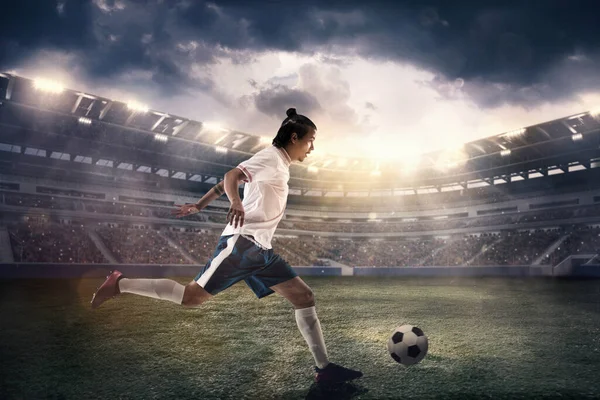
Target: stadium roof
(127, 133)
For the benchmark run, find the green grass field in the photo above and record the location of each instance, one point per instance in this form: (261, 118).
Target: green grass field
(488, 338)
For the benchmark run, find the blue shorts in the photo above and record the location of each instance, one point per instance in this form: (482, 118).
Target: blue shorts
(237, 258)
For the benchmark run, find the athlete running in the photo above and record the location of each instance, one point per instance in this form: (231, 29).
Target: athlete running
(244, 250)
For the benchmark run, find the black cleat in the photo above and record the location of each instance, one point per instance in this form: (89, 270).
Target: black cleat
(334, 373)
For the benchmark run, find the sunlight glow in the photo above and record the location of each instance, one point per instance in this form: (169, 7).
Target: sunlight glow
(49, 86)
(137, 107)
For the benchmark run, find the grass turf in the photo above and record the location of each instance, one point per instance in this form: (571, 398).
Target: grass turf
(488, 338)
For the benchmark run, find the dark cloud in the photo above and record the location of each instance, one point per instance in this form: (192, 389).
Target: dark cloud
(509, 51)
(30, 25)
(271, 101)
(370, 106)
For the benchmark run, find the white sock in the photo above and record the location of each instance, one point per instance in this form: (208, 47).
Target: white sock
(310, 327)
(162, 289)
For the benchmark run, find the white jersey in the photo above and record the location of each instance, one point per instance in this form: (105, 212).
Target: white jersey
(265, 194)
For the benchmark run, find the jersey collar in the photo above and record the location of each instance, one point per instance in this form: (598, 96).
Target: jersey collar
(284, 155)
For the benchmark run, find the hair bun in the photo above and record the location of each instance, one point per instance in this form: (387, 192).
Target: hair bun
(291, 112)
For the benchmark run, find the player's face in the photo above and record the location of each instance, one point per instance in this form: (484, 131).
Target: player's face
(306, 145)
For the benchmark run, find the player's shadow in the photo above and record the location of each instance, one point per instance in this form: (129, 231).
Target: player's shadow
(338, 391)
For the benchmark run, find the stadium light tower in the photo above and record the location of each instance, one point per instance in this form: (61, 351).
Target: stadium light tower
(161, 138)
(48, 86)
(221, 149)
(84, 121)
(505, 152)
(576, 137)
(515, 133)
(214, 127)
(137, 107)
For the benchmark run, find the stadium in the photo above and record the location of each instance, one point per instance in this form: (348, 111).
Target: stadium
(482, 233)
(88, 180)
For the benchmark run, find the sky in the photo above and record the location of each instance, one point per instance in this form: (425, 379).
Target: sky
(379, 79)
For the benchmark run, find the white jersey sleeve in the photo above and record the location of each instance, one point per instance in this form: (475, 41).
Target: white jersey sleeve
(260, 167)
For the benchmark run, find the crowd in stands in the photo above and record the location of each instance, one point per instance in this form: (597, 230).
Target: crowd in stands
(71, 243)
(390, 225)
(461, 250)
(96, 206)
(117, 208)
(295, 223)
(521, 248)
(50, 242)
(139, 246)
(199, 245)
(45, 202)
(362, 252)
(583, 240)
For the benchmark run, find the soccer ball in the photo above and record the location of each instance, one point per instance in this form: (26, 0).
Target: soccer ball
(408, 345)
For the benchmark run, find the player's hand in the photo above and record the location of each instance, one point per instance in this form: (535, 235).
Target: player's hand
(235, 215)
(184, 210)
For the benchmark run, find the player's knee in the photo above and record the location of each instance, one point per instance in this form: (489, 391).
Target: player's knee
(194, 295)
(305, 299)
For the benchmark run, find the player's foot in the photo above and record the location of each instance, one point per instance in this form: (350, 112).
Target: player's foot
(108, 290)
(334, 373)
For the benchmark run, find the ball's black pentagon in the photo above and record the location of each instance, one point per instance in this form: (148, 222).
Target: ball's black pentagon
(417, 331)
(397, 338)
(395, 357)
(413, 351)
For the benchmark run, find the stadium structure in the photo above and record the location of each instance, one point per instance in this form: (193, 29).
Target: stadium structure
(91, 181)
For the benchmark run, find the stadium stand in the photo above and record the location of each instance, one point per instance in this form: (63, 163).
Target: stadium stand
(509, 203)
(139, 246)
(48, 242)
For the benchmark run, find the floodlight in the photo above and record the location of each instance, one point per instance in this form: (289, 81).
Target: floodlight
(46, 85)
(137, 107)
(505, 152)
(313, 169)
(577, 136)
(213, 126)
(161, 138)
(515, 133)
(84, 121)
(221, 149)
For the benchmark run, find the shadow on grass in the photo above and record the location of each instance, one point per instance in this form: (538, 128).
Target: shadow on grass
(53, 346)
(341, 391)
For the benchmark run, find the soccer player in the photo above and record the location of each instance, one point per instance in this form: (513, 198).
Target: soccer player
(244, 250)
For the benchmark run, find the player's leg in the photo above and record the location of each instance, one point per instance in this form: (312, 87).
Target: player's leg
(278, 276)
(191, 295)
(297, 292)
(215, 276)
(194, 295)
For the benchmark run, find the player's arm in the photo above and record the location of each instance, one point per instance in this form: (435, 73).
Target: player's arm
(235, 176)
(232, 181)
(214, 193)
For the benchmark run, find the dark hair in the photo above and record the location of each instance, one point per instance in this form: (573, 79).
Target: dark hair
(294, 123)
